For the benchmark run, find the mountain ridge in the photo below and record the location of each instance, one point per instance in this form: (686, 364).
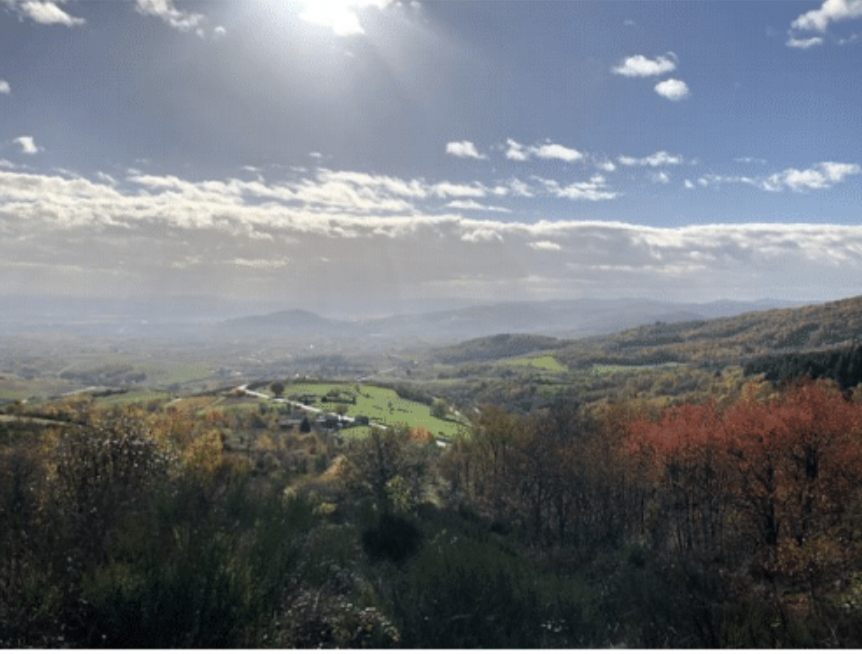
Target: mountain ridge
(558, 318)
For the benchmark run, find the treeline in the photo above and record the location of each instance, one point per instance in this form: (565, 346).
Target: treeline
(843, 365)
(495, 347)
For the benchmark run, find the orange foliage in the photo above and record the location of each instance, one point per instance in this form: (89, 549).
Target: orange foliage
(789, 463)
(421, 435)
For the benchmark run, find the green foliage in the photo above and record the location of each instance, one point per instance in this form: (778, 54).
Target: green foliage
(545, 362)
(379, 404)
(844, 366)
(439, 409)
(390, 468)
(497, 347)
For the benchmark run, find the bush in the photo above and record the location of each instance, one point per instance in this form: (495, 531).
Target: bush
(393, 539)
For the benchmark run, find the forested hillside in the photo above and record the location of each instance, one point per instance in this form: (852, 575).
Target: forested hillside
(725, 341)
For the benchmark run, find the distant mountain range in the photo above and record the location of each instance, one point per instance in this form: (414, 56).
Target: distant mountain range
(560, 318)
(209, 320)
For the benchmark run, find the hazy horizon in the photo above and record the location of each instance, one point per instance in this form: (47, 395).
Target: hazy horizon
(369, 156)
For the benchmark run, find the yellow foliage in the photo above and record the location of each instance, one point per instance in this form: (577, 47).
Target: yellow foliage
(266, 443)
(336, 470)
(205, 453)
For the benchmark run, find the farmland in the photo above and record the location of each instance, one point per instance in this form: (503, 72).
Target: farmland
(544, 362)
(380, 405)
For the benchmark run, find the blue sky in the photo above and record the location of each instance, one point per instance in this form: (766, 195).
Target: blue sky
(351, 156)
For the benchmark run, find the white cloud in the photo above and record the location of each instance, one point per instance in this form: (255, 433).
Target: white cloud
(105, 177)
(447, 189)
(472, 205)
(47, 13)
(518, 152)
(28, 146)
(548, 246)
(641, 66)
(464, 149)
(166, 10)
(688, 184)
(831, 11)
(520, 188)
(660, 177)
(660, 158)
(339, 15)
(595, 190)
(821, 176)
(555, 151)
(804, 44)
(824, 175)
(482, 235)
(69, 233)
(4, 87)
(266, 264)
(799, 179)
(673, 89)
(606, 165)
(515, 151)
(836, 172)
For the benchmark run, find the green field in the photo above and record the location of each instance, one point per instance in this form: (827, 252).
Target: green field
(142, 395)
(20, 389)
(164, 374)
(546, 362)
(601, 369)
(381, 405)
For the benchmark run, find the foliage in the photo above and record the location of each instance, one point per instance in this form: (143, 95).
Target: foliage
(843, 365)
(731, 520)
(779, 472)
(546, 362)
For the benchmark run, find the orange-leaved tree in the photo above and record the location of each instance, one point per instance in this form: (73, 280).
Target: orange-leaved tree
(783, 470)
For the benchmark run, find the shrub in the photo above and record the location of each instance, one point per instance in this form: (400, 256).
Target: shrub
(393, 539)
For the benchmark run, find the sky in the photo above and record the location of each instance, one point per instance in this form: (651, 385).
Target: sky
(358, 156)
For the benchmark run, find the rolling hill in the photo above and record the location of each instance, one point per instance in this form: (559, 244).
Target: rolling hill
(725, 341)
(559, 318)
(717, 342)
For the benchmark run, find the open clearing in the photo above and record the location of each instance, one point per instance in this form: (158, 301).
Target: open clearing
(546, 362)
(379, 404)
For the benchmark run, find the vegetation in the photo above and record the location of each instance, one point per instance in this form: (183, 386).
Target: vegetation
(546, 362)
(380, 405)
(843, 365)
(595, 506)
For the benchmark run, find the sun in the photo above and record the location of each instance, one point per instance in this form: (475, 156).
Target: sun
(338, 15)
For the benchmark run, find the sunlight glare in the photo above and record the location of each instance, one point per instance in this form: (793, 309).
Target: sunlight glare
(339, 15)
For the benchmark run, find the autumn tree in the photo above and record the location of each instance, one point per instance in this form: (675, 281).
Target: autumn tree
(689, 475)
(785, 469)
(390, 467)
